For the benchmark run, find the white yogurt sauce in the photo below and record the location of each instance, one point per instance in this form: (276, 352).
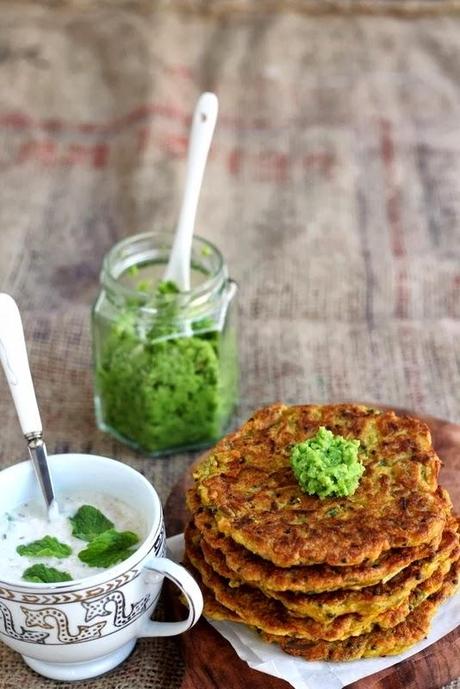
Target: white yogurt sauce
(29, 522)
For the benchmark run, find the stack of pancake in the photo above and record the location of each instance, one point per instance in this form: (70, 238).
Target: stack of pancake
(332, 578)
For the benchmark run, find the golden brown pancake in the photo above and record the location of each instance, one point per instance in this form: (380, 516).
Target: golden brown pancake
(333, 578)
(378, 642)
(247, 481)
(369, 602)
(268, 615)
(252, 569)
(391, 641)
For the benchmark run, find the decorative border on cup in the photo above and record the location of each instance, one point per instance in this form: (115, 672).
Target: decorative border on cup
(58, 621)
(69, 596)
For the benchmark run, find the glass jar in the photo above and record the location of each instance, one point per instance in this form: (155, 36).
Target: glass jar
(165, 363)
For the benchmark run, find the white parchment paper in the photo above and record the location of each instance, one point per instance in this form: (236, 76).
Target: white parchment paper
(303, 674)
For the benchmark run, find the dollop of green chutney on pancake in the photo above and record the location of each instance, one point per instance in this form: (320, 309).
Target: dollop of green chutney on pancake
(327, 464)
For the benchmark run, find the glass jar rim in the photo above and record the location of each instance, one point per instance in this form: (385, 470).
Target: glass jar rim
(110, 280)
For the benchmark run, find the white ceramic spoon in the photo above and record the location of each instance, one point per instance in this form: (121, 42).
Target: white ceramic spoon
(13, 355)
(203, 124)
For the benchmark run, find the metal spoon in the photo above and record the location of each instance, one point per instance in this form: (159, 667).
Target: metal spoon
(203, 124)
(13, 355)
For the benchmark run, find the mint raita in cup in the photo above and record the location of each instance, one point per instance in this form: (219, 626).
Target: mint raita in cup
(91, 532)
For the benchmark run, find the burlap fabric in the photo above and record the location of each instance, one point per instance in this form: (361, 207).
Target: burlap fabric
(332, 190)
(221, 8)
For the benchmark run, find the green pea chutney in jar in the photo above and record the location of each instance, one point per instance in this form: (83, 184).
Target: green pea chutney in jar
(165, 362)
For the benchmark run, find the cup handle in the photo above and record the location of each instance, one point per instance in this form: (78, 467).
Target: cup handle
(187, 584)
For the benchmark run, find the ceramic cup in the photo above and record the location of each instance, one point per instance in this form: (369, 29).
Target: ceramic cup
(79, 629)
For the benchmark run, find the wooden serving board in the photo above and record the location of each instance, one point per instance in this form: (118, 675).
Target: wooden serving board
(211, 663)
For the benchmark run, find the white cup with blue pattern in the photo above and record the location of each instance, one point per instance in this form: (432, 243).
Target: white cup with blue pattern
(80, 629)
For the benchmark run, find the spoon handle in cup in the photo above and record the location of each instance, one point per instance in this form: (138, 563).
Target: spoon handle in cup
(13, 355)
(15, 362)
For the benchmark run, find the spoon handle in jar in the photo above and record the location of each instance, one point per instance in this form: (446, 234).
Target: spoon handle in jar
(203, 125)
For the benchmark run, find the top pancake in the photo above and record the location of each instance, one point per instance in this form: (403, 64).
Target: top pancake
(248, 483)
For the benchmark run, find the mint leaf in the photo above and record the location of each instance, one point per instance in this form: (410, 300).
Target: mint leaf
(109, 548)
(41, 574)
(48, 546)
(88, 523)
